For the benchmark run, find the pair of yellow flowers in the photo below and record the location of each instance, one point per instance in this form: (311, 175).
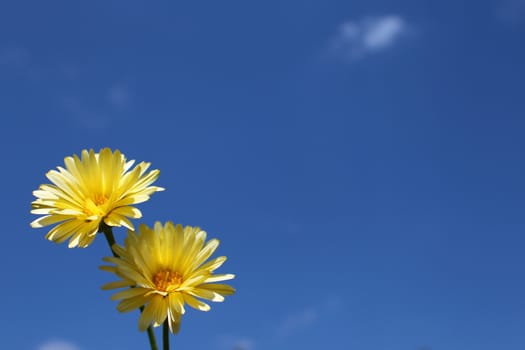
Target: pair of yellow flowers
(161, 268)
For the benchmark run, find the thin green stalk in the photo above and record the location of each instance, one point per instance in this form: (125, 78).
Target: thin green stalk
(166, 336)
(108, 233)
(151, 335)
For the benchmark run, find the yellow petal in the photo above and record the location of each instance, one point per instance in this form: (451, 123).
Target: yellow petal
(195, 303)
(117, 284)
(48, 220)
(222, 289)
(218, 278)
(174, 322)
(154, 312)
(130, 293)
(205, 294)
(131, 304)
(176, 303)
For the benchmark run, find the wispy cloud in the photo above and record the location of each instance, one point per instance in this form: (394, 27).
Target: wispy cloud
(58, 345)
(306, 318)
(511, 11)
(97, 112)
(356, 39)
(244, 344)
(287, 326)
(83, 115)
(69, 71)
(236, 343)
(14, 57)
(118, 96)
(297, 321)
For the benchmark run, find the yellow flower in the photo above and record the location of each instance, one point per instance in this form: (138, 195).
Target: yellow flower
(96, 188)
(166, 268)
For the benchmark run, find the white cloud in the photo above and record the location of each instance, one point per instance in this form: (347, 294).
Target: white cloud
(244, 344)
(58, 345)
(332, 304)
(306, 318)
(297, 322)
(85, 116)
(236, 343)
(118, 96)
(288, 326)
(69, 71)
(14, 56)
(511, 11)
(99, 112)
(356, 39)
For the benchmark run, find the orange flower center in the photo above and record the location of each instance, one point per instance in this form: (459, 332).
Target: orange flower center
(99, 199)
(94, 204)
(165, 279)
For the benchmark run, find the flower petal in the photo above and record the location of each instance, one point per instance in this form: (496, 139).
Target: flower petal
(195, 303)
(222, 289)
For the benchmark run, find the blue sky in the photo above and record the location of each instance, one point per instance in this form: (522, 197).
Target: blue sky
(360, 161)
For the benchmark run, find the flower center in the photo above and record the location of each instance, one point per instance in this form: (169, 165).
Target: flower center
(99, 199)
(94, 205)
(167, 279)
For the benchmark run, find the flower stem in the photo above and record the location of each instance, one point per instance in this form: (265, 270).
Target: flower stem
(151, 336)
(166, 335)
(108, 233)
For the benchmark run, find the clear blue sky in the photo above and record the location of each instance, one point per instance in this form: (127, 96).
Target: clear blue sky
(362, 163)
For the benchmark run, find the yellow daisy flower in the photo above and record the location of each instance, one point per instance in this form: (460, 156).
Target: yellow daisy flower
(94, 189)
(166, 268)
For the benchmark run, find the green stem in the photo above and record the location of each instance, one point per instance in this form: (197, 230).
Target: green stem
(151, 335)
(166, 335)
(108, 233)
